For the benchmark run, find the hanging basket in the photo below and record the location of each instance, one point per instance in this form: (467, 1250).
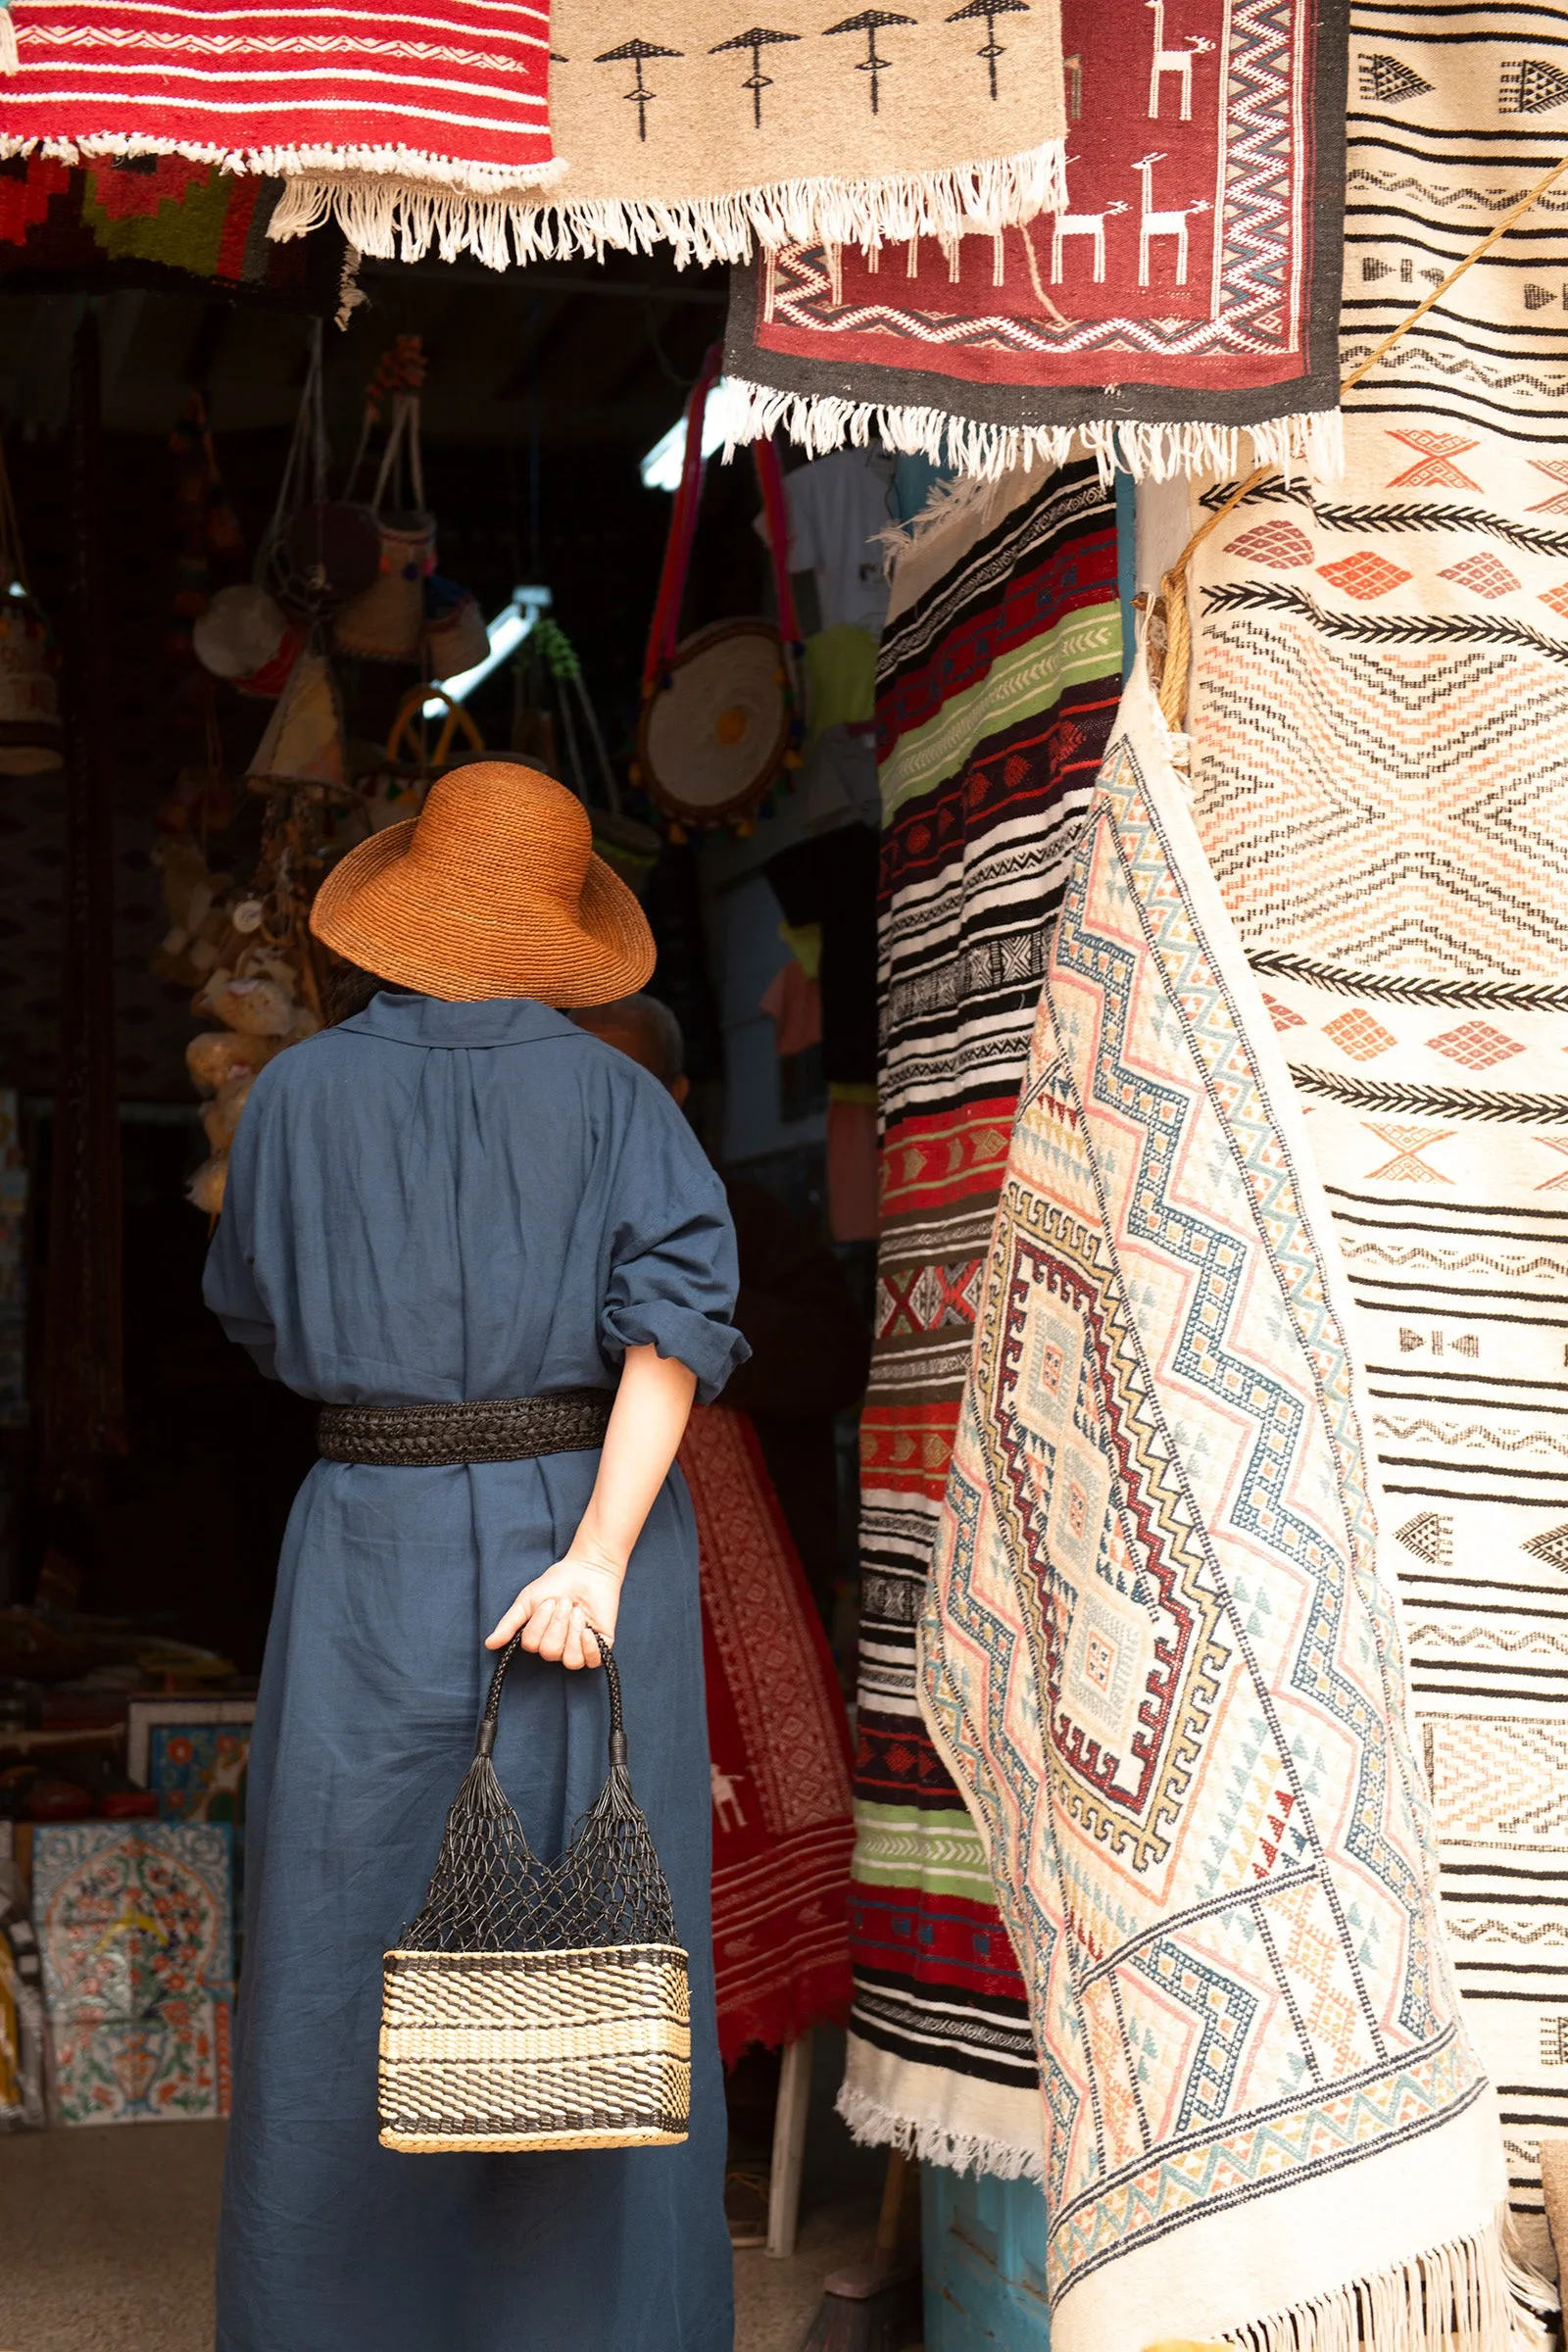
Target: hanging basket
(538, 2005)
(456, 638)
(31, 737)
(716, 733)
(385, 623)
(246, 637)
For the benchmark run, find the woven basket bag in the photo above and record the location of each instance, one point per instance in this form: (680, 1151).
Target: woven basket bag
(538, 2005)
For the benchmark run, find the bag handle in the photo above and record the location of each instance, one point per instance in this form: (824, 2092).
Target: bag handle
(485, 1744)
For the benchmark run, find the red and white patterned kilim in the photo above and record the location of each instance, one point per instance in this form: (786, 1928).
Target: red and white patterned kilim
(449, 91)
(1363, 576)
(1484, 573)
(1279, 544)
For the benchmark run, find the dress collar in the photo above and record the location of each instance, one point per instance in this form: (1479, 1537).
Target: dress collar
(414, 1021)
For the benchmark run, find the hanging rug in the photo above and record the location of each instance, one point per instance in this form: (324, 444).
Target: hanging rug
(1379, 709)
(1178, 309)
(778, 1752)
(451, 96)
(156, 222)
(1161, 1656)
(689, 125)
(996, 686)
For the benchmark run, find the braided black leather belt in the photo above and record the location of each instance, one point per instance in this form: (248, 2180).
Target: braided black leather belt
(505, 1429)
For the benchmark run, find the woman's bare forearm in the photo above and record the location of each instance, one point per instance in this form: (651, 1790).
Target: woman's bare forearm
(557, 1613)
(651, 1408)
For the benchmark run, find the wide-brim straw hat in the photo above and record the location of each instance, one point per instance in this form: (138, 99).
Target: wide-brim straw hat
(492, 891)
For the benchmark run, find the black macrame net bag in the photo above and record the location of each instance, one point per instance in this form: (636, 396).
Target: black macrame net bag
(538, 2004)
(492, 1893)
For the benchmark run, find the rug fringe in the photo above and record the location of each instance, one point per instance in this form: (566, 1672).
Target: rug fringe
(409, 164)
(1452, 2298)
(404, 219)
(1312, 441)
(874, 2126)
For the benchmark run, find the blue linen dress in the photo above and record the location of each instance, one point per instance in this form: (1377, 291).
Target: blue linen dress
(429, 1202)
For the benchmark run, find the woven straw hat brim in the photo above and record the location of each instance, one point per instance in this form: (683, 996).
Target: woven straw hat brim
(472, 932)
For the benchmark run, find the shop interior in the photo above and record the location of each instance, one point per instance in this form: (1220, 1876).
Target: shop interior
(169, 451)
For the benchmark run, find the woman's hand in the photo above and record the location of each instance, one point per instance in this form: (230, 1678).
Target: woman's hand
(554, 1612)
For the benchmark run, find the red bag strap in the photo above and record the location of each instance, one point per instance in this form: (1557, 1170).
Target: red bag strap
(665, 629)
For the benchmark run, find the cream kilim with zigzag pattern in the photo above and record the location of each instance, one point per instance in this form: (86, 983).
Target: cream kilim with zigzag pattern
(1162, 1661)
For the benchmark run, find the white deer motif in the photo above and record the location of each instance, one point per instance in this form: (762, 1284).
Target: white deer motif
(1083, 224)
(1173, 60)
(1152, 225)
(726, 1799)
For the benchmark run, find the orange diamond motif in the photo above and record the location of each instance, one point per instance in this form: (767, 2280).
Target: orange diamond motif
(1484, 573)
(1283, 1016)
(1358, 1036)
(1363, 574)
(1557, 599)
(1477, 1045)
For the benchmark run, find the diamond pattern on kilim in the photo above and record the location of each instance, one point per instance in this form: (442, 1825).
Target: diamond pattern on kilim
(1358, 1036)
(1156, 1649)
(1282, 1015)
(1476, 1044)
(1484, 573)
(1556, 597)
(1363, 576)
(1278, 544)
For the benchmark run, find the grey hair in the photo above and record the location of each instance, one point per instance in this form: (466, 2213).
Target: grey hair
(651, 1014)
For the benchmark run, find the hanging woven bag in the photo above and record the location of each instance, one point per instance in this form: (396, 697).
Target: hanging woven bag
(385, 621)
(532, 2004)
(31, 737)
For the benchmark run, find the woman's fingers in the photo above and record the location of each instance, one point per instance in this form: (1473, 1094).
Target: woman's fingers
(555, 1624)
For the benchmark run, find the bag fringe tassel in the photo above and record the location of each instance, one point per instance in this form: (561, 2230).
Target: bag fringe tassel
(404, 218)
(478, 183)
(1312, 441)
(874, 2126)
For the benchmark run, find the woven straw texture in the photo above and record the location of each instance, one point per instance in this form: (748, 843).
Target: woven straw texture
(519, 2051)
(493, 891)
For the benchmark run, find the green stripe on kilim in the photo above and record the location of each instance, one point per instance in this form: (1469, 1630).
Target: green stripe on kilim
(1085, 647)
(899, 1846)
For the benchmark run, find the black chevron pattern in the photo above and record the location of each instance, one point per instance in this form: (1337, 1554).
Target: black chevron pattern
(1432, 1102)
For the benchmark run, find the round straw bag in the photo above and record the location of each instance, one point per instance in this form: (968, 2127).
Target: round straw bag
(532, 2004)
(384, 623)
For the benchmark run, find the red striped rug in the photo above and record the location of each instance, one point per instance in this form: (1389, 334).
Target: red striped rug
(779, 1747)
(448, 92)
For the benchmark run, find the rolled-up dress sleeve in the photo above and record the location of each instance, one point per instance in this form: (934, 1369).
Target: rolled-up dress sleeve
(673, 1273)
(228, 1281)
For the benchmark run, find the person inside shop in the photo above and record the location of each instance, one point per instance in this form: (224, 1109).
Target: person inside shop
(810, 1349)
(457, 1197)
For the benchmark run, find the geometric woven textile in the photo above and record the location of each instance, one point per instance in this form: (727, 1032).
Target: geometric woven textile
(452, 95)
(1445, 1157)
(998, 681)
(1180, 311)
(691, 122)
(1380, 704)
(1161, 1656)
(1455, 114)
(778, 1752)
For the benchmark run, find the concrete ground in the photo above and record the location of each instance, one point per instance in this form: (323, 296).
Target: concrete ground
(106, 2237)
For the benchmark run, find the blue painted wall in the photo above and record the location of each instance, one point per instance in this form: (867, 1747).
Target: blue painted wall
(983, 2244)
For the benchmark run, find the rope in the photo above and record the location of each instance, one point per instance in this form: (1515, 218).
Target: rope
(1173, 586)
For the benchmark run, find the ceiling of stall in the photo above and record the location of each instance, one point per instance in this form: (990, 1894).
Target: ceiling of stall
(568, 353)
